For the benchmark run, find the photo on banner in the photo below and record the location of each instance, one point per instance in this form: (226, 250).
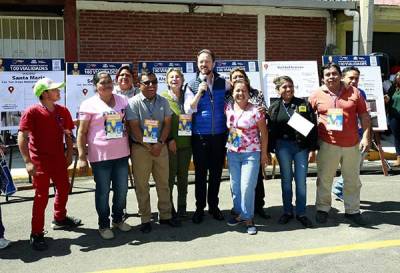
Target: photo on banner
(79, 81)
(160, 68)
(370, 82)
(17, 78)
(303, 73)
(251, 68)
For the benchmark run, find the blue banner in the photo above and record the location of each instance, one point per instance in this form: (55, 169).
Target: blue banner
(162, 67)
(91, 68)
(351, 60)
(31, 65)
(227, 66)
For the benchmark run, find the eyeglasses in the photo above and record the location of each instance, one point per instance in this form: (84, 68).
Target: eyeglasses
(147, 83)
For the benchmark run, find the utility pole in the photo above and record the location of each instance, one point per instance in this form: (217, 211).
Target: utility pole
(367, 26)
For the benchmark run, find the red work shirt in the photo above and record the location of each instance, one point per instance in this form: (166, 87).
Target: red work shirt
(353, 105)
(46, 134)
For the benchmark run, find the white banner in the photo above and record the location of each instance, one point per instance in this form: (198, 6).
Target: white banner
(303, 73)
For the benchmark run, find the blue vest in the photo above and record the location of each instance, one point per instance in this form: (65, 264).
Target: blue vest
(210, 117)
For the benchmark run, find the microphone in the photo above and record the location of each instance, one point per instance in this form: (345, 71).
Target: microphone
(202, 77)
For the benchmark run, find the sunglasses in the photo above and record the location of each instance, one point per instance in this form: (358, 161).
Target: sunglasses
(147, 83)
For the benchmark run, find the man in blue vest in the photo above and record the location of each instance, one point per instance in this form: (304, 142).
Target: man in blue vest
(204, 99)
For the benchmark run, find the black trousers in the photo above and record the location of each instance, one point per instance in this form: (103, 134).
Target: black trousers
(208, 157)
(260, 193)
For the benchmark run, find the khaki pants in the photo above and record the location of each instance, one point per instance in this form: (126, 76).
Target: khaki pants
(143, 164)
(328, 158)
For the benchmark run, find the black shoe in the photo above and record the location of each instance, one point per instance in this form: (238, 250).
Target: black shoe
(261, 213)
(233, 213)
(173, 213)
(68, 222)
(182, 212)
(198, 216)
(216, 214)
(146, 227)
(37, 242)
(305, 221)
(285, 218)
(173, 222)
(321, 217)
(356, 219)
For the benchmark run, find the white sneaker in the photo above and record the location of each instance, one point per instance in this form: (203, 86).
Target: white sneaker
(4, 243)
(106, 233)
(122, 226)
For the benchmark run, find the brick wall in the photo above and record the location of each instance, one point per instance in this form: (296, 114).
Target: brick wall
(295, 38)
(129, 36)
(133, 36)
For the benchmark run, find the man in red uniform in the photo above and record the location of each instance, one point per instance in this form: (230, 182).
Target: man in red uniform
(42, 131)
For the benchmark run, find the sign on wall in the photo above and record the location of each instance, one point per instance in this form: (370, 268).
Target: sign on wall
(370, 82)
(250, 67)
(17, 78)
(79, 81)
(160, 69)
(303, 73)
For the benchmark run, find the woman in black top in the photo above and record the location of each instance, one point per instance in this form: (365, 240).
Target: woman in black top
(291, 147)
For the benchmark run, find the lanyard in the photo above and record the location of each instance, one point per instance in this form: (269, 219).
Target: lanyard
(336, 96)
(152, 108)
(286, 109)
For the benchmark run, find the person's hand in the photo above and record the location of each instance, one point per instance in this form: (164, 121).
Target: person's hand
(69, 159)
(386, 98)
(202, 87)
(30, 168)
(265, 160)
(262, 110)
(311, 157)
(156, 149)
(172, 146)
(83, 166)
(364, 145)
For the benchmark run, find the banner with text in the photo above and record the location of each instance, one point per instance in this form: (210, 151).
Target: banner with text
(79, 81)
(17, 78)
(303, 73)
(370, 82)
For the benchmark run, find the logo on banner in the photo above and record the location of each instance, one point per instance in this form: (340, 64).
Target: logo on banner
(85, 91)
(11, 89)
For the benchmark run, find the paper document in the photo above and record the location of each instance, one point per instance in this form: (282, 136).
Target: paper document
(300, 124)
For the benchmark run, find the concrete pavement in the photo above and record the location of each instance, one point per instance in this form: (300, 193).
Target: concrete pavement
(337, 246)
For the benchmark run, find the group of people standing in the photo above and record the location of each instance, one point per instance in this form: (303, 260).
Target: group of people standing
(228, 118)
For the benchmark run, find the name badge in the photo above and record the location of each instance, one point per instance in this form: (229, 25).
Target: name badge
(150, 131)
(302, 109)
(114, 126)
(335, 119)
(185, 125)
(234, 139)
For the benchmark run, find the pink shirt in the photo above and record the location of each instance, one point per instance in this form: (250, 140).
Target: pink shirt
(100, 148)
(246, 121)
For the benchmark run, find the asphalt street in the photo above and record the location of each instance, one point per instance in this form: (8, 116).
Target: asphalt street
(213, 246)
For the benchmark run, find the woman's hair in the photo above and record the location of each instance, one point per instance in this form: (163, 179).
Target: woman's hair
(242, 81)
(177, 70)
(124, 67)
(278, 81)
(207, 51)
(97, 76)
(241, 71)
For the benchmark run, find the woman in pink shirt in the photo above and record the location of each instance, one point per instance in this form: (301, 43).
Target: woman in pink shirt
(247, 148)
(102, 129)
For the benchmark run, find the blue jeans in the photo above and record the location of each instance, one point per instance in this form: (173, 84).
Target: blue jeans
(288, 152)
(243, 169)
(115, 170)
